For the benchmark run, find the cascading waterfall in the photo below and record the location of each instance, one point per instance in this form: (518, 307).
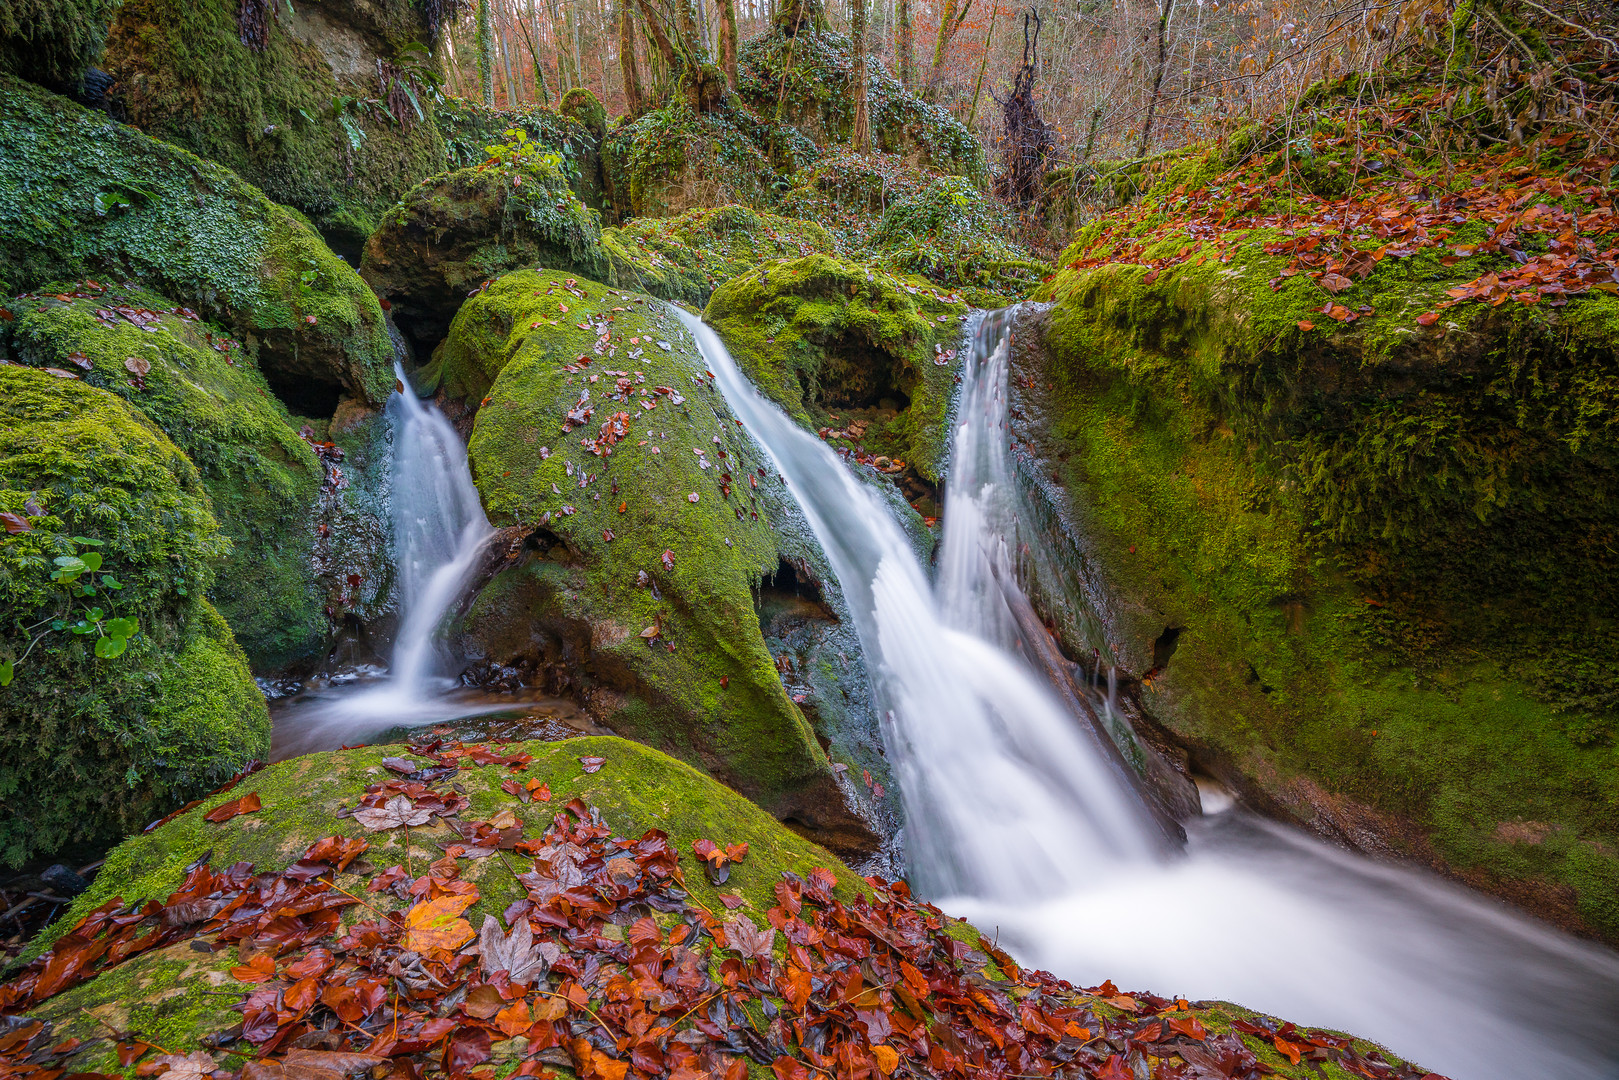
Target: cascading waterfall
(1016, 820)
(439, 533)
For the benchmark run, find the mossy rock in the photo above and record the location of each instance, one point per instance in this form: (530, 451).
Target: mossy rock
(640, 564)
(583, 105)
(1385, 546)
(821, 336)
(82, 196)
(53, 41)
(203, 391)
(178, 996)
(303, 118)
(95, 747)
(470, 128)
(676, 159)
(452, 233)
(684, 257)
(802, 80)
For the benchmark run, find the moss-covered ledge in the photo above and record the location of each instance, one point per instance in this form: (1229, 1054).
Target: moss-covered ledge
(82, 196)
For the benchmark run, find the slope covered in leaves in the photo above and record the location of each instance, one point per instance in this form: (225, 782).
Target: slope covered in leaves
(473, 915)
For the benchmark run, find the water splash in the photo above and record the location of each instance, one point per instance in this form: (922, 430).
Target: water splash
(1017, 821)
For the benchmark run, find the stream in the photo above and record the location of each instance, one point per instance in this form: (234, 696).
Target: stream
(1019, 816)
(1018, 819)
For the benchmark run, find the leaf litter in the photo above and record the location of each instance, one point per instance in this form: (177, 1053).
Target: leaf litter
(610, 968)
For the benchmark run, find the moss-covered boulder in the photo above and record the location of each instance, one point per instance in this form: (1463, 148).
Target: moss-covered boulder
(125, 692)
(82, 196)
(676, 158)
(53, 42)
(867, 357)
(649, 514)
(452, 233)
(798, 75)
(633, 821)
(470, 128)
(1355, 527)
(684, 257)
(325, 105)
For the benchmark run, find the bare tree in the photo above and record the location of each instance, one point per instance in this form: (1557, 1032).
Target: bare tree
(728, 39)
(1166, 12)
(634, 96)
(950, 21)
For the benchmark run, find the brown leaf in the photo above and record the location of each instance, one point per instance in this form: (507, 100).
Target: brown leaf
(1427, 318)
(15, 523)
(592, 764)
(1335, 283)
(247, 804)
(1306, 325)
(748, 940)
(392, 814)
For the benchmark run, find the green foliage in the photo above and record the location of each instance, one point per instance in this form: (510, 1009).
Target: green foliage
(187, 228)
(332, 143)
(199, 387)
(53, 41)
(806, 78)
(814, 330)
(676, 158)
(95, 738)
(469, 127)
(581, 104)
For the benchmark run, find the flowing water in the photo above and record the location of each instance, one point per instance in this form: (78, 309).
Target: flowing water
(439, 533)
(1017, 818)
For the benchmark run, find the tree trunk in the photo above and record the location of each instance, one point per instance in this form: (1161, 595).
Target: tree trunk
(666, 50)
(907, 45)
(1166, 9)
(728, 39)
(861, 137)
(949, 22)
(634, 96)
(578, 61)
(486, 54)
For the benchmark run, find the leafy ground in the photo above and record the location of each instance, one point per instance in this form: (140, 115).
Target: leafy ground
(607, 962)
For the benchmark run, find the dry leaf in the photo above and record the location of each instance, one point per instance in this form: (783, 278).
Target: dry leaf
(436, 924)
(395, 812)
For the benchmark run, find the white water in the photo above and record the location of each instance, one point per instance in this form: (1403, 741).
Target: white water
(1017, 821)
(439, 532)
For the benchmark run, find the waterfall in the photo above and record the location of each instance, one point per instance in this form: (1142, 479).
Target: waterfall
(1015, 819)
(439, 533)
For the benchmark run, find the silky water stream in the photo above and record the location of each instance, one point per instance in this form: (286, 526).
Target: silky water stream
(1018, 818)
(439, 535)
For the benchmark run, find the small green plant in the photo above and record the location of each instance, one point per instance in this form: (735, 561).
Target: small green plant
(82, 585)
(521, 151)
(308, 278)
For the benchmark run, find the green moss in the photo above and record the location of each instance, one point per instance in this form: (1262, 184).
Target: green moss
(676, 158)
(53, 41)
(581, 104)
(204, 393)
(684, 257)
(802, 79)
(93, 747)
(1386, 544)
(454, 232)
(303, 119)
(82, 196)
(818, 334)
(704, 688)
(471, 128)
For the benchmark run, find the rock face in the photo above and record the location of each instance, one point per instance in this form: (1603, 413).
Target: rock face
(332, 115)
(824, 337)
(677, 159)
(141, 698)
(452, 233)
(648, 513)
(82, 197)
(800, 72)
(53, 41)
(1359, 559)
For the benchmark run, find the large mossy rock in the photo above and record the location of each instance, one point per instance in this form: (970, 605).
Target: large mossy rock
(53, 42)
(452, 233)
(97, 745)
(683, 258)
(333, 115)
(83, 197)
(823, 337)
(187, 996)
(470, 129)
(676, 159)
(649, 517)
(1367, 559)
(303, 532)
(799, 74)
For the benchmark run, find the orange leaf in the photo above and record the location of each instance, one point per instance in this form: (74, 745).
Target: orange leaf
(225, 811)
(260, 967)
(434, 924)
(513, 1020)
(887, 1058)
(1427, 318)
(1306, 325)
